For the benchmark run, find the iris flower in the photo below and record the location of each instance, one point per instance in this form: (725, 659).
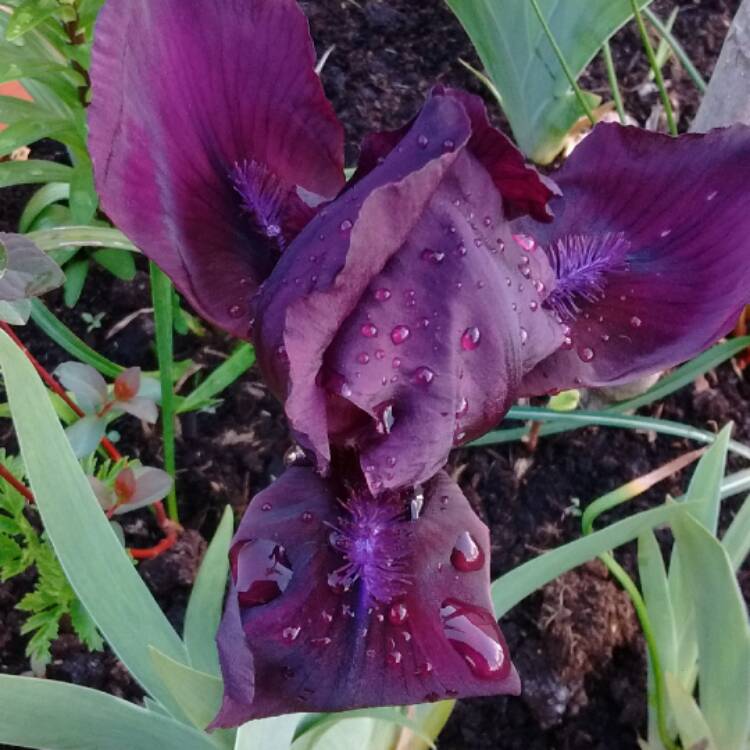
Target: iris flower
(396, 316)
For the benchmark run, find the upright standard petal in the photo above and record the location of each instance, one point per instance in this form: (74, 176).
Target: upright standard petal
(211, 139)
(349, 601)
(406, 314)
(651, 252)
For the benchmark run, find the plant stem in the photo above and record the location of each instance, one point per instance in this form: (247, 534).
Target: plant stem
(658, 78)
(563, 63)
(613, 83)
(16, 485)
(678, 49)
(648, 633)
(161, 294)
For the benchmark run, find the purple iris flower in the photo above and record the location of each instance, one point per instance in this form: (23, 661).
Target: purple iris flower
(317, 563)
(396, 316)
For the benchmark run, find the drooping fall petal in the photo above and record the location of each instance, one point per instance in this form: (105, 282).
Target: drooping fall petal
(25, 270)
(406, 314)
(211, 136)
(650, 247)
(348, 601)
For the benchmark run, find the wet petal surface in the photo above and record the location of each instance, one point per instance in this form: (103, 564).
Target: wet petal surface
(650, 246)
(374, 610)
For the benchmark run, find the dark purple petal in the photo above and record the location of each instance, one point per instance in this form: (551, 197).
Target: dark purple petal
(375, 608)
(523, 189)
(210, 135)
(650, 244)
(418, 308)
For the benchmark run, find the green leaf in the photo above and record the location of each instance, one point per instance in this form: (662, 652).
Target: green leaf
(276, 732)
(535, 94)
(76, 273)
(84, 200)
(66, 339)
(239, 362)
(198, 694)
(80, 236)
(44, 197)
(85, 719)
(85, 626)
(25, 132)
(723, 632)
(12, 109)
(118, 263)
(655, 589)
(33, 171)
(28, 15)
(206, 599)
(522, 581)
(705, 485)
(109, 588)
(736, 541)
(691, 724)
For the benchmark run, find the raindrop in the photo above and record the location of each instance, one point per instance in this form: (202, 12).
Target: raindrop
(423, 669)
(381, 295)
(712, 195)
(533, 305)
(423, 375)
(487, 221)
(266, 507)
(524, 241)
(261, 572)
(379, 354)
(423, 141)
(396, 363)
(473, 633)
(433, 256)
(320, 642)
(397, 614)
(345, 226)
(524, 336)
(386, 420)
(567, 343)
(444, 502)
(508, 281)
(290, 634)
(666, 233)
(461, 250)
(458, 436)
(586, 354)
(480, 284)
(636, 322)
(478, 242)
(235, 311)
(307, 516)
(470, 339)
(391, 461)
(605, 337)
(448, 144)
(539, 286)
(399, 334)
(463, 408)
(363, 358)
(369, 331)
(467, 556)
(393, 658)
(346, 390)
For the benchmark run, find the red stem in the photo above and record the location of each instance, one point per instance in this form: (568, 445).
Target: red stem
(168, 527)
(15, 484)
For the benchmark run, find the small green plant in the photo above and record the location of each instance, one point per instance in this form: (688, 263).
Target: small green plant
(22, 547)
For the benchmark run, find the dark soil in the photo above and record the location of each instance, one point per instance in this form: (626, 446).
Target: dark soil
(576, 643)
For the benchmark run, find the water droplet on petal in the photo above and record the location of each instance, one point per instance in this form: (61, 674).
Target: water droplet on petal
(236, 311)
(636, 322)
(363, 358)
(463, 408)
(320, 642)
(393, 658)
(605, 337)
(345, 390)
(345, 226)
(369, 331)
(448, 144)
(444, 501)
(467, 556)
(399, 334)
(470, 339)
(423, 669)
(307, 516)
(586, 354)
(433, 256)
(381, 295)
(533, 305)
(397, 614)
(524, 334)
(423, 376)
(525, 241)
(290, 634)
(422, 141)
(473, 633)
(396, 364)
(261, 571)
(266, 507)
